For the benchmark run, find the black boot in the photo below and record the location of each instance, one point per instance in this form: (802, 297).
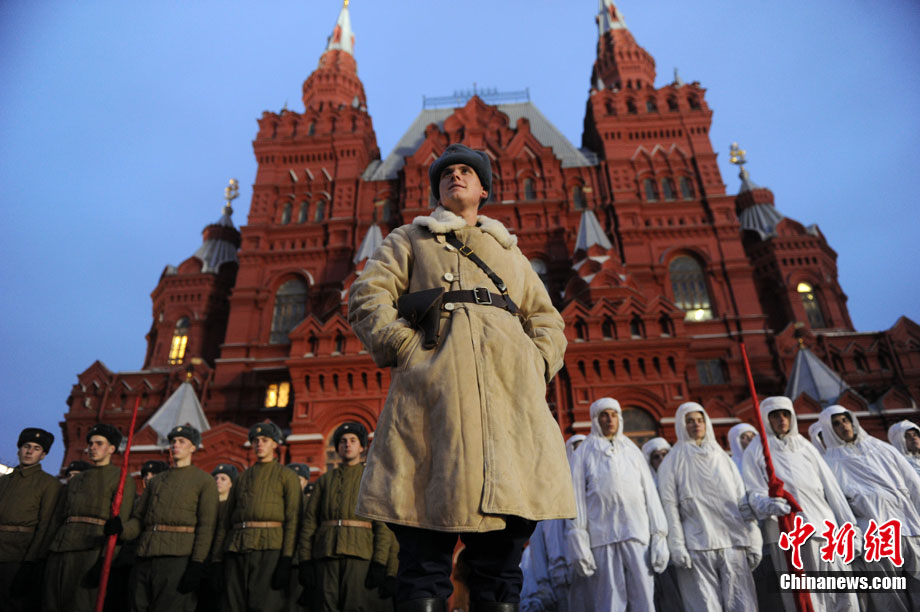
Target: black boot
(493, 606)
(427, 604)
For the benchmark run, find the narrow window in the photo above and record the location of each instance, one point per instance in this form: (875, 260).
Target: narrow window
(667, 187)
(651, 191)
(686, 188)
(651, 106)
(303, 213)
(672, 104)
(631, 107)
(812, 307)
(179, 341)
(290, 309)
(530, 192)
(320, 213)
(578, 197)
(286, 215)
(711, 371)
(278, 395)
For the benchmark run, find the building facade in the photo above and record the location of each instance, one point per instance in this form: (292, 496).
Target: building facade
(660, 274)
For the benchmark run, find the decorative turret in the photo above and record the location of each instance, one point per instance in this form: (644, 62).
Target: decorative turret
(335, 81)
(753, 204)
(221, 239)
(621, 63)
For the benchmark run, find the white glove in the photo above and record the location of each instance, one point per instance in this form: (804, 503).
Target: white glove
(658, 553)
(753, 554)
(585, 567)
(777, 506)
(680, 558)
(744, 507)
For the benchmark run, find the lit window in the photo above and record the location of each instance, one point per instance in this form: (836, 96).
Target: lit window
(290, 309)
(278, 395)
(812, 308)
(179, 341)
(689, 286)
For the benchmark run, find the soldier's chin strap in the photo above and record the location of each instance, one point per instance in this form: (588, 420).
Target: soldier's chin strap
(467, 252)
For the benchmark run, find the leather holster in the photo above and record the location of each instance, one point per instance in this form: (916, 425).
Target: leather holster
(422, 309)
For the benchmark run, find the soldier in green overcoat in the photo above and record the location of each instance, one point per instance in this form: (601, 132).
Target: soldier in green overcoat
(343, 559)
(174, 522)
(27, 499)
(256, 541)
(77, 543)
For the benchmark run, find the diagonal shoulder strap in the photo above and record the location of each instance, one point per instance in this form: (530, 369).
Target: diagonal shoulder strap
(467, 252)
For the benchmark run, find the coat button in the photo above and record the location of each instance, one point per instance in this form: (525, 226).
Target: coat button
(449, 247)
(449, 306)
(449, 277)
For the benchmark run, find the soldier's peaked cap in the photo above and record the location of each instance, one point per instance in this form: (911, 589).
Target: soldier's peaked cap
(185, 431)
(109, 432)
(353, 428)
(39, 436)
(267, 429)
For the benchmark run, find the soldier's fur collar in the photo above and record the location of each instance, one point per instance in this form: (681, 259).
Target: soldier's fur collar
(442, 221)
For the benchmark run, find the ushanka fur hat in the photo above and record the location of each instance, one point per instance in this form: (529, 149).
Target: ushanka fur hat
(109, 432)
(185, 431)
(228, 469)
(353, 428)
(267, 429)
(39, 436)
(460, 154)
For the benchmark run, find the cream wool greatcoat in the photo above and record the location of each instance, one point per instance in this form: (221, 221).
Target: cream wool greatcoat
(465, 437)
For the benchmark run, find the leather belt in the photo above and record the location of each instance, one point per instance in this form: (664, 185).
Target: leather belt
(17, 528)
(347, 523)
(173, 528)
(257, 524)
(479, 295)
(91, 520)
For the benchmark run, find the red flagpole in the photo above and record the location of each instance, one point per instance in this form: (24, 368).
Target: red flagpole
(774, 484)
(116, 506)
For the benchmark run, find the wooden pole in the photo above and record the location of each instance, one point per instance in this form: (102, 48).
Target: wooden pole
(775, 485)
(116, 507)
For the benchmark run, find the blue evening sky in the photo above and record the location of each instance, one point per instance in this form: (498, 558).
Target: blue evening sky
(121, 122)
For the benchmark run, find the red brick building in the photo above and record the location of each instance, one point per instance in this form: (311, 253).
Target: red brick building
(659, 273)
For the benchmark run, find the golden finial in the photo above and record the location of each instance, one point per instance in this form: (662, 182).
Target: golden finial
(737, 155)
(231, 192)
(346, 4)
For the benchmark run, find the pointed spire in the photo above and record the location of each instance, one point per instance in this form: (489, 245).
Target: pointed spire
(812, 376)
(371, 241)
(621, 63)
(678, 82)
(342, 38)
(609, 17)
(182, 408)
(590, 233)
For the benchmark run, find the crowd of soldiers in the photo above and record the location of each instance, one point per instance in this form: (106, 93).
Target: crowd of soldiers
(690, 527)
(687, 527)
(264, 539)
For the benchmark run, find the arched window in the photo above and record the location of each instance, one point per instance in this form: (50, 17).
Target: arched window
(636, 327)
(651, 190)
(672, 104)
(290, 309)
(689, 286)
(578, 197)
(638, 425)
(530, 192)
(303, 213)
(179, 341)
(608, 328)
(686, 188)
(666, 325)
(651, 106)
(812, 308)
(286, 215)
(667, 188)
(694, 102)
(320, 213)
(631, 106)
(581, 330)
(610, 108)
